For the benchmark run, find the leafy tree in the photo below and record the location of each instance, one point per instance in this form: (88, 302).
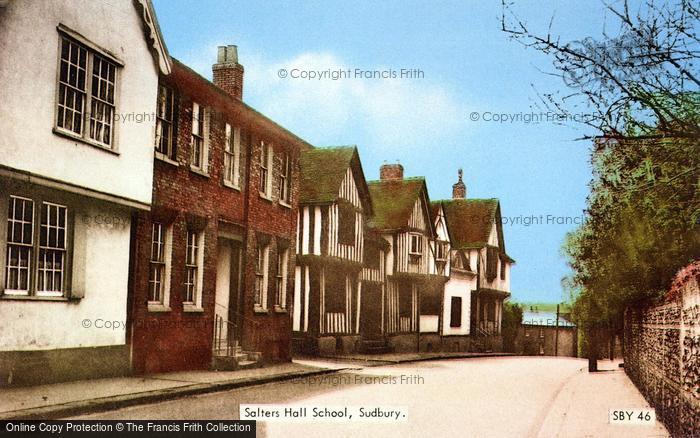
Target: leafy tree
(644, 205)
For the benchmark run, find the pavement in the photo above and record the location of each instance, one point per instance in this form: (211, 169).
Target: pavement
(396, 358)
(79, 397)
(609, 388)
(83, 396)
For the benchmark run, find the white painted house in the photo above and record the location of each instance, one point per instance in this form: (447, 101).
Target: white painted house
(79, 80)
(480, 264)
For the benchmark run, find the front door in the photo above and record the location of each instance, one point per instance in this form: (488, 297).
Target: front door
(371, 310)
(227, 304)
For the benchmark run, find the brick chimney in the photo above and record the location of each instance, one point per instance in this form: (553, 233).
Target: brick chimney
(459, 190)
(391, 172)
(228, 73)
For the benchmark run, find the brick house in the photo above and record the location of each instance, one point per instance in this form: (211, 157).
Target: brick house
(213, 257)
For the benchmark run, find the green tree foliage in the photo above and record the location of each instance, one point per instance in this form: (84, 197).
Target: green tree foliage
(643, 209)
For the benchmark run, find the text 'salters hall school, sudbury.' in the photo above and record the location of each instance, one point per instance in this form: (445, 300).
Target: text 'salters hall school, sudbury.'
(205, 235)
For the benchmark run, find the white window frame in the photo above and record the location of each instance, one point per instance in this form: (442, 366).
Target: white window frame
(415, 237)
(232, 156)
(199, 138)
(281, 279)
(87, 119)
(266, 165)
(165, 120)
(285, 178)
(261, 277)
(167, 235)
(36, 247)
(196, 263)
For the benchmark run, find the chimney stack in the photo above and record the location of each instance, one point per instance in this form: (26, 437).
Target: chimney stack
(391, 172)
(459, 190)
(228, 73)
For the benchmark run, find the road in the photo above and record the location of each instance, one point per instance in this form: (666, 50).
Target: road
(488, 397)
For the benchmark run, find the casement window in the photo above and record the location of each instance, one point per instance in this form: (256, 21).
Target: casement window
(266, 155)
(346, 223)
(194, 258)
(503, 269)
(159, 273)
(86, 93)
(37, 252)
(281, 278)
(541, 332)
(232, 154)
(415, 244)
(165, 138)
(456, 312)
(261, 273)
(198, 143)
(285, 179)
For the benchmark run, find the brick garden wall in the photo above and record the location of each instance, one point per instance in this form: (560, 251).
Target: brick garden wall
(662, 354)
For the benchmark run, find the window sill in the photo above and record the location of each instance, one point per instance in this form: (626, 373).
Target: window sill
(266, 197)
(279, 309)
(165, 159)
(158, 308)
(69, 135)
(285, 205)
(199, 171)
(231, 185)
(190, 308)
(260, 311)
(35, 298)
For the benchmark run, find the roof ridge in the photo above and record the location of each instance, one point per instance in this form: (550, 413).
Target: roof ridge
(340, 146)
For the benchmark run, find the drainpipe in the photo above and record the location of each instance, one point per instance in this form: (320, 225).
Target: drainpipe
(242, 288)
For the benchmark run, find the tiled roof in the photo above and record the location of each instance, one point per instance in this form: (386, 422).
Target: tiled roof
(470, 220)
(322, 172)
(393, 201)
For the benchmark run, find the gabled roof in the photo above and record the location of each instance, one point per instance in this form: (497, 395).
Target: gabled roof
(322, 173)
(470, 222)
(435, 207)
(394, 200)
(153, 35)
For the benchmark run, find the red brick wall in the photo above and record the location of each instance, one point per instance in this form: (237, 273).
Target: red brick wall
(176, 340)
(229, 77)
(278, 222)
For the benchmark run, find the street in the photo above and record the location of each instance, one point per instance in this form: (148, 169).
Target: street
(513, 396)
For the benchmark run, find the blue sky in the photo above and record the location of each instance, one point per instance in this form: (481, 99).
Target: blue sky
(469, 66)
